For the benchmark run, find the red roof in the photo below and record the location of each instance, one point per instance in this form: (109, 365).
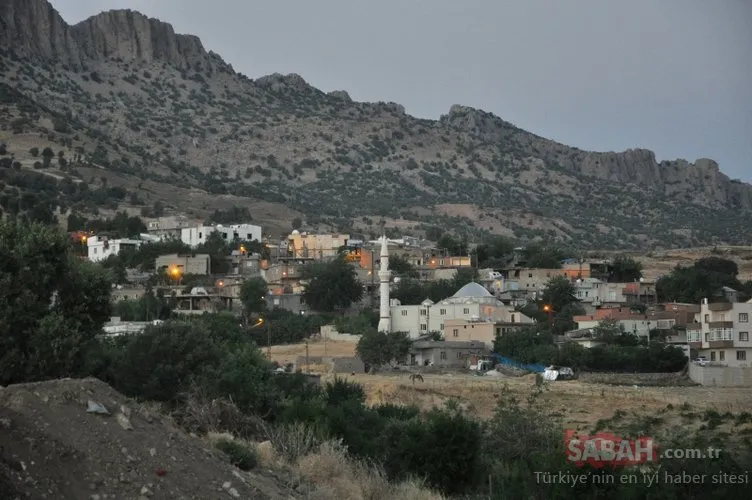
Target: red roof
(617, 313)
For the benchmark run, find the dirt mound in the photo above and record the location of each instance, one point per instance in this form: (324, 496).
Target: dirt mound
(80, 439)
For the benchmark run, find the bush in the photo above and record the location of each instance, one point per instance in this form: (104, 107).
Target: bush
(241, 455)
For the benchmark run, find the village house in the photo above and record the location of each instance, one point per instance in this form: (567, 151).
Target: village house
(464, 330)
(195, 236)
(445, 354)
(628, 320)
(101, 247)
(721, 331)
(315, 246)
(169, 226)
(198, 264)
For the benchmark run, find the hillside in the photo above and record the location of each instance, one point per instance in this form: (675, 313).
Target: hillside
(142, 114)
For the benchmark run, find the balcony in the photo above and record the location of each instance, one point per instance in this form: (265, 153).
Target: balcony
(720, 325)
(720, 306)
(720, 344)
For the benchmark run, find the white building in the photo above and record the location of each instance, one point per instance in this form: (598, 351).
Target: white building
(195, 236)
(721, 333)
(472, 302)
(597, 292)
(101, 247)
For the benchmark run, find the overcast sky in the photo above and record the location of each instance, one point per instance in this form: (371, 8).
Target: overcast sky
(674, 76)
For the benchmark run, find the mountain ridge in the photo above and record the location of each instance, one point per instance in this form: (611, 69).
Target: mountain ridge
(319, 140)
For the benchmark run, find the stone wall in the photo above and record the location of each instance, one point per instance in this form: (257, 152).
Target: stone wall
(335, 365)
(347, 365)
(642, 379)
(720, 376)
(330, 332)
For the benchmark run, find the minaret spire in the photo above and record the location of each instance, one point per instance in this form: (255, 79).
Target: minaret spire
(385, 313)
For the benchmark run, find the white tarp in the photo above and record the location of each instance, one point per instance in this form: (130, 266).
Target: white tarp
(550, 375)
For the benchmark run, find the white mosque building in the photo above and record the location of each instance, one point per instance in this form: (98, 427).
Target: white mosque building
(472, 303)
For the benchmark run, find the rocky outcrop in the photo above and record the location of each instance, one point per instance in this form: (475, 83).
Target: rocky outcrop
(340, 94)
(35, 29)
(702, 180)
(129, 35)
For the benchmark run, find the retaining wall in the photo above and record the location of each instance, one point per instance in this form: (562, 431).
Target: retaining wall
(720, 376)
(644, 379)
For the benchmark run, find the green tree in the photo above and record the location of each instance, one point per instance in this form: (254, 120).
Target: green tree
(297, 223)
(401, 267)
(560, 296)
(331, 286)
(379, 348)
(52, 305)
(542, 256)
(253, 295)
(625, 269)
(495, 253)
(702, 280)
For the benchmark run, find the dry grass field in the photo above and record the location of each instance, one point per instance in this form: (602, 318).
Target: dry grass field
(284, 354)
(580, 404)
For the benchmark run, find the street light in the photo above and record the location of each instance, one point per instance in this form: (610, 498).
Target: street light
(549, 310)
(175, 273)
(261, 321)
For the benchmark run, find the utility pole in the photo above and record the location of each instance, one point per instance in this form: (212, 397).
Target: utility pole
(306, 357)
(269, 340)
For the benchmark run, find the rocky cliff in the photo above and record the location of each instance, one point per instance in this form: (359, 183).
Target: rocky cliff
(134, 98)
(33, 28)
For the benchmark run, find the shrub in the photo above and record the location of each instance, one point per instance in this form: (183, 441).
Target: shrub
(241, 455)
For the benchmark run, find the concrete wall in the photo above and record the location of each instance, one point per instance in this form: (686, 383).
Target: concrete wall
(336, 365)
(643, 379)
(330, 332)
(347, 365)
(720, 376)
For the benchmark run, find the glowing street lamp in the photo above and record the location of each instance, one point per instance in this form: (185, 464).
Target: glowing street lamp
(550, 311)
(175, 273)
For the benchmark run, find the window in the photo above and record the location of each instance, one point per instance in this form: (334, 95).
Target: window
(424, 327)
(466, 310)
(529, 275)
(200, 235)
(442, 311)
(513, 321)
(443, 356)
(743, 336)
(741, 355)
(455, 332)
(404, 313)
(743, 317)
(721, 355)
(423, 312)
(459, 355)
(712, 355)
(441, 327)
(707, 318)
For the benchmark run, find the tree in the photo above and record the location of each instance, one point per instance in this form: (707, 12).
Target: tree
(297, 223)
(52, 305)
(331, 286)
(379, 348)
(543, 256)
(452, 245)
(495, 253)
(253, 295)
(702, 280)
(560, 296)
(625, 269)
(401, 267)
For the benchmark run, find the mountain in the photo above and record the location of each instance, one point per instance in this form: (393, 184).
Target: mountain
(144, 115)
